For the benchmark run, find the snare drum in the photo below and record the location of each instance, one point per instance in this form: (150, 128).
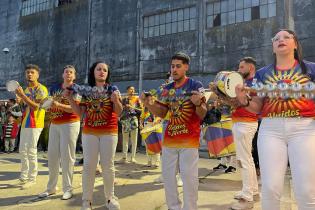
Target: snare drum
(219, 139)
(152, 136)
(226, 81)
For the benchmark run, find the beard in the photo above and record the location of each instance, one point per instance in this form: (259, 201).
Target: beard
(245, 74)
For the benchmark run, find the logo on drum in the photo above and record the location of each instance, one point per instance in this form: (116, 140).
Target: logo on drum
(228, 83)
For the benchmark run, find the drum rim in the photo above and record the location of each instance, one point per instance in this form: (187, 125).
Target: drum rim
(231, 92)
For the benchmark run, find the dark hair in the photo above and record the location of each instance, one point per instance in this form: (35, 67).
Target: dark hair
(181, 56)
(129, 87)
(298, 55)
(12, 100)
(32, 66)
(91, 77)
(168, 75)
(250, 60)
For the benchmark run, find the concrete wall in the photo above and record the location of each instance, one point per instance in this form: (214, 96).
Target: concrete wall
(111, 30)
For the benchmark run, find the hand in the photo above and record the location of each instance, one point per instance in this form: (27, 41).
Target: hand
(55, 104)
(20, 92)
(196, 98)
(67, 93)
(115, 97)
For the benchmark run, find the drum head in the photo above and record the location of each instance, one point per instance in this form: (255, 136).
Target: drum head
(47, 103)
(232, 80)
(12, 85)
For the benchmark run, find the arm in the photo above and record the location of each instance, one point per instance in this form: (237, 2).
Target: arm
(63, 107)
(75, 107)
(153, 106)
(253, 105)
(117, 105)
(32, 104)
(198, 100)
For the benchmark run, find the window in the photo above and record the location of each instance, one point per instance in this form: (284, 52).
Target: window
(176, 21)
(62, 2)
(224, 12)
(33, 6)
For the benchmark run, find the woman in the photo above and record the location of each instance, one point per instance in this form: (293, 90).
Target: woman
(287, 131)
(100, 131)
(63, 134)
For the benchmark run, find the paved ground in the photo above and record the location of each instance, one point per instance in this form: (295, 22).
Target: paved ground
(134, 188)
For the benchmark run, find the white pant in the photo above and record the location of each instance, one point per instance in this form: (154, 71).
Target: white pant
(280, 139)
(61, 148)
(133, 137)
(187, 159)
(105, 147)
(243, 134)
(28, 151)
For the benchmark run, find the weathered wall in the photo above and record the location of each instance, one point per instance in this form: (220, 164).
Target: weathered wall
(112, 31)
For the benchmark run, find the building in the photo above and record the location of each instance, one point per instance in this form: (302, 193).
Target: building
(137, 37)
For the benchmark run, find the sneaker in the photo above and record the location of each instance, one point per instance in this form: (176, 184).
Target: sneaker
(67, 195)
(22, 181)
(113, 204)
(157, 164)
(86, 205)
(46, 194)
(158, 180)
(133, 160)
(239, 196)
(149, 164)
(219, 167)
(28, 184)
(230, 169)
(179, 181)
(243, 205)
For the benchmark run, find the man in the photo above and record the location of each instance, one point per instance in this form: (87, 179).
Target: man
(63, 135)
(32, 124)
(185, 103)
(244, 129)
(129, 121)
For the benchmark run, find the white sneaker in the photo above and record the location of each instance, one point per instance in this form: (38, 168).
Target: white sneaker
(86, 205)
(239, 196)
(46, 194)
(243, 205)
(113, 204)
(158, 180)
(28, 184)
(149, 164)
(67, 195)
(157, 164)
(179, 181)
(22, 181)
(133, 160)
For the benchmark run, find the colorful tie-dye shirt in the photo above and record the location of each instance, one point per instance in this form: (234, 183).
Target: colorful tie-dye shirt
(287, 107)
(34, 118)
(100, 118)
(241, 114)
(59, 116)
(183, 128)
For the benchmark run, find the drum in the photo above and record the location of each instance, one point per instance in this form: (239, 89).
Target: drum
(219, 139)
(226, 81)
(12, 85)
(152, 135)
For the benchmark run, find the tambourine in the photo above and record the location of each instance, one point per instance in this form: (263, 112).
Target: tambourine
(46, 103)
(85, 90)
(226, 81)
(12, 85)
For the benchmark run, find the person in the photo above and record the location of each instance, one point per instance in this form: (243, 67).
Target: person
(153, 137)
(244, 128)
(10, 131)
(99, 135)
(287, 129)
(181, 138)
(63, 133)
(129, 121)
(32, 124)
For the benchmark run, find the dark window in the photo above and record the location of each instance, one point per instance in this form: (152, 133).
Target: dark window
(63, 2)
(255, 13)
(217, 20)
